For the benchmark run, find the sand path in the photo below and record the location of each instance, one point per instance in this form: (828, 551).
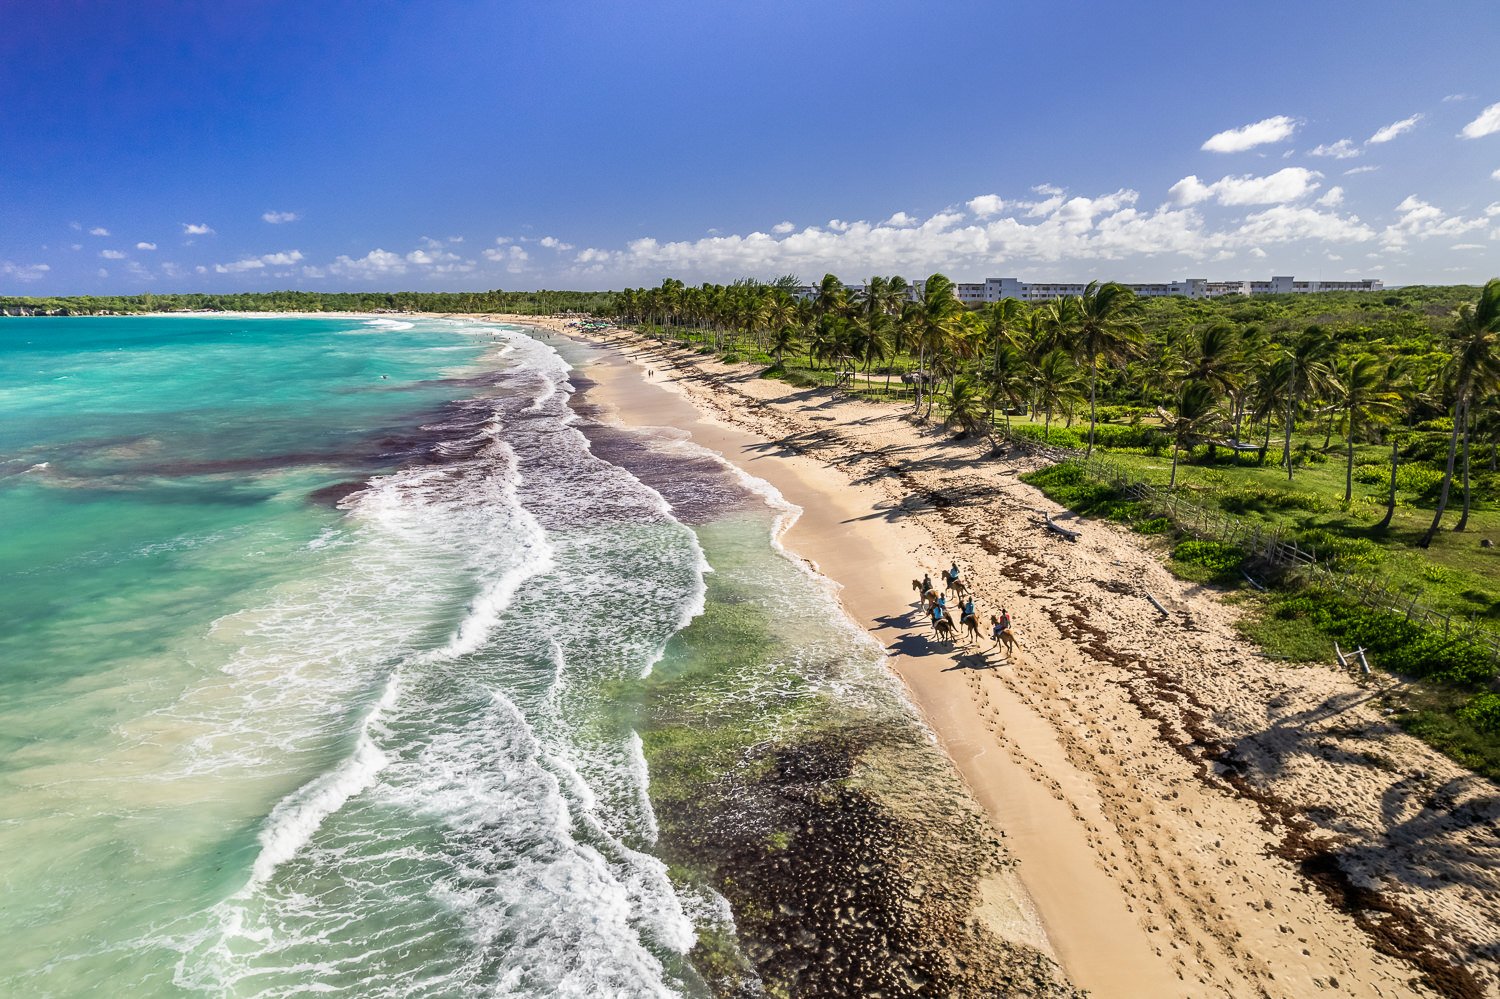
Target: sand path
(1189, 818)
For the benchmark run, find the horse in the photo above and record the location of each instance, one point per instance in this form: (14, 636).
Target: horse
(944, 628)
(957, 586)
(929, 600)
(970, 623)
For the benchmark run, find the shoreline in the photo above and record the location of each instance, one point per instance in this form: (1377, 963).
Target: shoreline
(1175, 836)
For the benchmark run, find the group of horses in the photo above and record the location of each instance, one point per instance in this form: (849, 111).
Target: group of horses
(942, 624)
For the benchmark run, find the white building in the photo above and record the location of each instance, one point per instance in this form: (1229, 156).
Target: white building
(994, 289)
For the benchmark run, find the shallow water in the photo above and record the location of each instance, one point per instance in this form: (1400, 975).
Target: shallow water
(321, 680)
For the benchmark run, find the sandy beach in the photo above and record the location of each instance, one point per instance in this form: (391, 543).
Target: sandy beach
(1189, 818)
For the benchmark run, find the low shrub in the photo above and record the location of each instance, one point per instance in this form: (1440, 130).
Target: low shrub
(1155, 525)
(1059, 436)
(1262, 499)
(731, 358)
(1220, 560)
(1345, 552)
(1483, 712)
(1372, 475)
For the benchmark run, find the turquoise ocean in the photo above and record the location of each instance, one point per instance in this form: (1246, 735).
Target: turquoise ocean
(324, 645)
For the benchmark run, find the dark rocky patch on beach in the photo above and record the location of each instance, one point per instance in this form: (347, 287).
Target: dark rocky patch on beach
(854, 862)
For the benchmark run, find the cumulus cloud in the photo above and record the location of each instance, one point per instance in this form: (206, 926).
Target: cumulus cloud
(1487, 123)
(1260, 133)
(1288, 184)
(196, 229)
(1332, 198)
(145, 246)
(1343, 149)
(245, 264)
(98, 230)
(1258, 253)
(553, 243)
(513, 257)
(112, 254)
(1105, 227)
(901, 219)
(1495, 175)
(1420, 220)
(782, 228)
(24, 272)
(376, 263)
(277, 218)
(986, 205)
(1394, 129)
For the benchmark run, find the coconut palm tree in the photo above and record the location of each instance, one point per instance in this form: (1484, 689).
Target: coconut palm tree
(935, 320)
(1306, 371)
(1476, 358)
(966, 408)
(1055, 383)
(1005, 381)
(1398, 380)
(1194, 411)
(1106, 326)
(1361, 392)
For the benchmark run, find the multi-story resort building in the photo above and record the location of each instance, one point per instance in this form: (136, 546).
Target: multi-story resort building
(994, 289)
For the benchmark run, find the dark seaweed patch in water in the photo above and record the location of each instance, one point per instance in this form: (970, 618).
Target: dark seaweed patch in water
(698, 487)
(836, 894)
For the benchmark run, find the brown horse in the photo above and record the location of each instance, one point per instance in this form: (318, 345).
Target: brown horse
(1005, 636)
(971, 626)
(944, 628)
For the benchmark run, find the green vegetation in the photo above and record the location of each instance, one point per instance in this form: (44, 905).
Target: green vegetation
(519, 302)
(1351, 422)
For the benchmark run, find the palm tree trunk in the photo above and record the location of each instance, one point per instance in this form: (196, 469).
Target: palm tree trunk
(1460, 414)
(1286, 449)
(1390, 503)
(1175, 446)
(1093, 386)
(1349, 465)
(1463, 521)
(1266, 444)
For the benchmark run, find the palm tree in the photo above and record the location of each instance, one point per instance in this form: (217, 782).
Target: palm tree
(1362, 393)
(1055, 380)
(966, 408)
(1307, 371)
(1194, 411)
(1398, 380)
(1476, 356)
(1005, 381)
(1106, 325)
(783, 338)
(935, 320)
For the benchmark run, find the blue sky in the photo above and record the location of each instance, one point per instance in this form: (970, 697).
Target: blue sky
(160, 146)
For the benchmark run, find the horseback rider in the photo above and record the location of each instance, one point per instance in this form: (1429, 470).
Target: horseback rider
(938, 612)
(995, 628)
(1004, 623)
(952, 573)
(968, 608)
(926, 581)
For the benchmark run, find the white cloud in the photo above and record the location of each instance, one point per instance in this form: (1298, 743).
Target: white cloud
(1421, 221)
(1332, 198)
(1343, 149)
(1257, 252)
(24, 272)
(1487, 123)
(1495, 175)
(1467, 246)
(782, 228)
(112, 254)
(1394, 129)
(376, 263)
(1360, 169)
(1287, 184)
(75, 246)
(145, 246)
(986, 205)
(901, 220)
(514, 258)
(196, 229)
(1286, 223)
(455, 239)
(553, 243)
(1458, 97)
(277, 218)
(98, 230)
(1237, 140)
(283, 259)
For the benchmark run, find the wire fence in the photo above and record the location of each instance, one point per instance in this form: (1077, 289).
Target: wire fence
(1274, 546)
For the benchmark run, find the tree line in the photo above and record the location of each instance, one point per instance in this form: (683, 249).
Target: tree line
(1367, 366)
(520, 302)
